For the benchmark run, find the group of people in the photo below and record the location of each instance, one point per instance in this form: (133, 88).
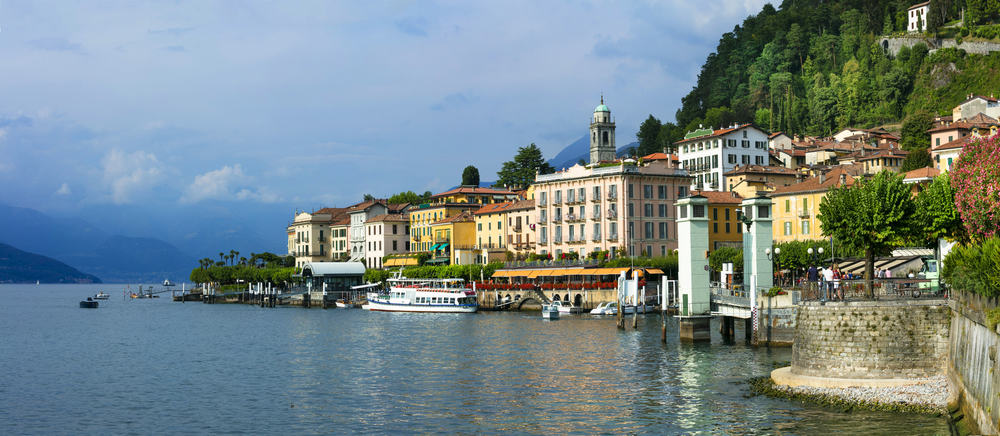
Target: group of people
(829, 280)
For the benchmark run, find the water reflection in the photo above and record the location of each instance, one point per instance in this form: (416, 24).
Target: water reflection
(163, 367)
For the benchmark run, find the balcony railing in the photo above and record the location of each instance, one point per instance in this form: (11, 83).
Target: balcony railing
(803, 213)
(612, 215)
(542, 202)
(596, 199)
(557, 202)
(543, 240)
(596, 216)
(612, 196)
(597, 237)
(557, 219)
(613, 237)
(517, 228)
(557, 240)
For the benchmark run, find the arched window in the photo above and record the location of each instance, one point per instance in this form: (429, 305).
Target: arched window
(606, 141)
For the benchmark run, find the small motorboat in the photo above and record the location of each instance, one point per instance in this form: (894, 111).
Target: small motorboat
(550, 312)
(167, 282)
(101, 296)
(343, 304)
(606, 308)
(89, 303)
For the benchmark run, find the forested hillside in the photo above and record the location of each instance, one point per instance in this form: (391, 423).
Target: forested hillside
(813, 67)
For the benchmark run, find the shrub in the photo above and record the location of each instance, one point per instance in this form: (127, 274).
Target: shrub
(976, 180)
(974, 268)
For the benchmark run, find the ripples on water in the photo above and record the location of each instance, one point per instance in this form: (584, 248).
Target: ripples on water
(155, 367)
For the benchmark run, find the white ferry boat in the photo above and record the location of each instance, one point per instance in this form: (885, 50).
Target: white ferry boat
(424, 295)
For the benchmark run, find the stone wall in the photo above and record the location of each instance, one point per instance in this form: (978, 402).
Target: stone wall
(892, 45)
(973, 364)
(871, 339)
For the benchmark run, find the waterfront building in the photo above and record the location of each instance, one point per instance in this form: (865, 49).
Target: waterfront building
(748, 180)
(361, 213)
(796, 206)
(311, 236)
(424, 216)
(474, 195)
(608, 205)
(917, 17)
(386, 234)
(454, 240)
(708, 154)
(724, 228)
(505, 227)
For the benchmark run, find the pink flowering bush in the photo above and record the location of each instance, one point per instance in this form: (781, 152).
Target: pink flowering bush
(976, 180)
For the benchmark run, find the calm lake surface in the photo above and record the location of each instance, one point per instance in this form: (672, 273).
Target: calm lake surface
(160, 367)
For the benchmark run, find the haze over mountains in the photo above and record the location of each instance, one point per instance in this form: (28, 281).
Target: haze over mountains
(580, 149)
(17, 266)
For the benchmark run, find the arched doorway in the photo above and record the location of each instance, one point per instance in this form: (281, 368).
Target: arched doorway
(578, 300)
(555, 297)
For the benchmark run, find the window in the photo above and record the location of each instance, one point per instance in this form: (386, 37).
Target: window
(745, 159)
(727, 214)
(732, 158)
(479, 226)
(937, 141)
(788, 228)
(663, 230)
(663, 211)
(581, 195)
(715, 161)
(745, 143)
(631, 194)
(648, 227)
(681, 191)
(715, 227)
(597, 230)
(558, 197)
(395, 245)
(744, 133)
(661, 192)
(597, 193)
(759, 160)
(727, 226)
(542, 199)
(648, 209)
(805, 203)
(788, 206)
(541, 217)
(805, 227)
(731, 142)
(544, 235)
(583, 236)
(631, 210)
(647, 191)
(715, 213)
(612, 192)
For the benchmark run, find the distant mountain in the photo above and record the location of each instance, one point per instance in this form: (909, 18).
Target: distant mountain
(116, 258)
(17, 266)
(580, 149)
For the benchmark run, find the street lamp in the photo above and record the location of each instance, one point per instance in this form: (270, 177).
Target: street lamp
(812, 255)
(777, 251)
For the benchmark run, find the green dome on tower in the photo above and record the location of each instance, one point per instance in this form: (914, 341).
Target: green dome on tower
(602, 107)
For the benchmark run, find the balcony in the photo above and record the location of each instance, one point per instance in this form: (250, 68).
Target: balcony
(557, 202)
(576, 241)
(597, 237)
(572, 218)
(803, 213)
(612, 196)
(613, 237)
(596, 216)
(557, 219)
(517, 228)
(596, 199)
(542, 203)
(543, 240)
(557, 240)
(612, 214)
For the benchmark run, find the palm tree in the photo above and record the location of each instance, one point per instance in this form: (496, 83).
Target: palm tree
(221, 256)
(243, 261)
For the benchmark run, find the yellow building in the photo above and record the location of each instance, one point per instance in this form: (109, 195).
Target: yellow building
(424, 216)
(454, 239)
(473, 194)
(748, 180)
(503, 227)
(796, 206)
(724, 229)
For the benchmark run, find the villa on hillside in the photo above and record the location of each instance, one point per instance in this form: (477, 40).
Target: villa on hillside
(708, 154)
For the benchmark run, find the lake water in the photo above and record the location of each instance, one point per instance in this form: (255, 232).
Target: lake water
(160, 367)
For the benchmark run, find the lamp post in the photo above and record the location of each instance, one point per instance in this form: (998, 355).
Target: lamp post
(777, 251)
(812, 255)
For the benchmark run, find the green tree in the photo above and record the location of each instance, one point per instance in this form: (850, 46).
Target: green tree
(648, 134)
(520, 172)
(368, 197)
(915, 160)
(936, 212)
(762, 118)
(470, 176)
(406, 197)
(669, 134)
(914, 133)
(872, 216)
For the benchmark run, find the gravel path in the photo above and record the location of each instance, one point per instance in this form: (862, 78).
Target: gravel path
(930, 392)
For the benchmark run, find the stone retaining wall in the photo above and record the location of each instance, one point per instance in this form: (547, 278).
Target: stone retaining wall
(973, 364)
(892, 45)
(872, 339)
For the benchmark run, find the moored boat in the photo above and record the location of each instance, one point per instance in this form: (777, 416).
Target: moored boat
(424, 295)
(101, 296)
(550, 311)
(606, 308)
(89, 303)
(343, 304)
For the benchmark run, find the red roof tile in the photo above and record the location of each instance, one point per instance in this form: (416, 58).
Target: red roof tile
(464, 217)
(474, 190)
(719, 197)
(760, 169)
(814, 184)
(920, 173)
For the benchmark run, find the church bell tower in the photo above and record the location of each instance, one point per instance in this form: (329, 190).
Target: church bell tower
(602, 135)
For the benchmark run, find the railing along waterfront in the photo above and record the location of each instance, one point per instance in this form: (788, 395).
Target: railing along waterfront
(882, 289)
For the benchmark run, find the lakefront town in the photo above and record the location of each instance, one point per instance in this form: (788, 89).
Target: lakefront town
(811, 245)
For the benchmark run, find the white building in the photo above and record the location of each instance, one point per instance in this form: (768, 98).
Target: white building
(360, 214)
(386, 234)
(708, 154)
(917, 17)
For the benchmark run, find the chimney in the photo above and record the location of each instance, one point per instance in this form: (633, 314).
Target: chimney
(822, 178)
(843, 178)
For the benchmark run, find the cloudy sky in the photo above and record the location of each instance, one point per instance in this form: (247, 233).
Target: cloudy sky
(312, 104)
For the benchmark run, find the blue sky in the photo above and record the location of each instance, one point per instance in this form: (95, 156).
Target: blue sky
(309, 104)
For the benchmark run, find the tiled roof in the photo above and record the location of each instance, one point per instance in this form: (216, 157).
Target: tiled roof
(981, 119)
(814, 184)
(957, 125)
(474, 190)
(795, 152)
(775, 134)
(660, 156)
(957, 143)
(759, 169)
(884, 153)
(718, 132)
(719, 197)
(388, 217)
(973, 97)
(364, 205)
(464, 217)
(919, 5)
(921, 173)
(508, 206)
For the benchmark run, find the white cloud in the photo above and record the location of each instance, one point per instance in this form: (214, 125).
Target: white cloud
(226, 183)
(64, 189)
(129, 174)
